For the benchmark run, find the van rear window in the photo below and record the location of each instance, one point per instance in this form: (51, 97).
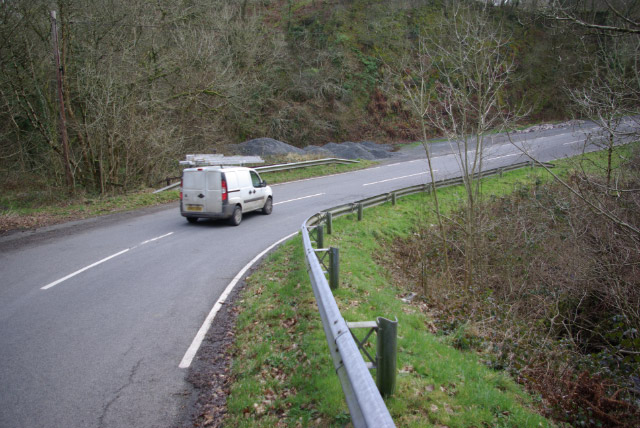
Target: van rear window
(193, 180)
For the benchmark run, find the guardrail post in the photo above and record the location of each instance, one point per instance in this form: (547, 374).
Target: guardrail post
(329, 221)
(320, 236)
(360, 210)
(334, 268)
(386, 356)
(394, 198)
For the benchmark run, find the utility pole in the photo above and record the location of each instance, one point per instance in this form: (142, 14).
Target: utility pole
(63, 119)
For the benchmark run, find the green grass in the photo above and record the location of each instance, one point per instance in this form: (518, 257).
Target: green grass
(282, 369)
(30, 202)
(594, 162)
(282, 362)
(21, 211)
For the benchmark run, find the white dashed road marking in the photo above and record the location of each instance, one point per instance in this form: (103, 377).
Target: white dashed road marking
(71, 275)
(397, 178)
(299, 199)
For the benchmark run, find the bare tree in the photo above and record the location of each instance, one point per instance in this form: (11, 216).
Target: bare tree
(28, 104)
(142, 81)
(470, 67)
(610, 94)
(415, 79)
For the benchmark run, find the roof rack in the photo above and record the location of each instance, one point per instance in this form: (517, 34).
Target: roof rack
(215, 159)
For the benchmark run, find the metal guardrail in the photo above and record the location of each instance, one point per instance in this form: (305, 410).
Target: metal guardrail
(283, 167)
(170, 186)
(386, 197)
(303, 164)
(365, 403)
(363, 399)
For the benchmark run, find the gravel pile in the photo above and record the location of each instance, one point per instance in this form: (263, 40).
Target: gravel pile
(265, 147)
(349, 150)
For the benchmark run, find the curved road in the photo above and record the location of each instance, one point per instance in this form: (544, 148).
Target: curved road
(96, 316)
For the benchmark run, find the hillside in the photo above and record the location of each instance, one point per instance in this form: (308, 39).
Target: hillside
(145, 83)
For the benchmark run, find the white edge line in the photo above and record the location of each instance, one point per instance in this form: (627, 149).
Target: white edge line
(197, 341)
(299, 199)
(48, 286)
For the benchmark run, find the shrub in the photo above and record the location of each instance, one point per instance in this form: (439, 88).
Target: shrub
(556, 295)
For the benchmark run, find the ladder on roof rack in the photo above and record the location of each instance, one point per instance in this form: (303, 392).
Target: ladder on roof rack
(215, 159)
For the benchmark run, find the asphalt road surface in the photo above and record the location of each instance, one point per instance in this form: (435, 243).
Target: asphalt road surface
(97, 316)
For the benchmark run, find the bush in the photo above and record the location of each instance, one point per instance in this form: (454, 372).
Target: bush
(556, 295)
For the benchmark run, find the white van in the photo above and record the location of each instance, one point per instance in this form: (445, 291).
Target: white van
(223, 193)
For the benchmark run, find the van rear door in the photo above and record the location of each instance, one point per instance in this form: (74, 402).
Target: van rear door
(193, 185)
(213, 194)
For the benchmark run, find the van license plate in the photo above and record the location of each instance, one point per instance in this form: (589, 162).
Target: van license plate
(194, 207)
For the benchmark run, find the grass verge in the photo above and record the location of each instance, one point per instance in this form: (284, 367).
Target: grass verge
(282, 369)
(19, 212)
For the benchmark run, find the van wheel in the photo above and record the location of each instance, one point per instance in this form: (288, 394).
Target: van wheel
(268, 206)
(192, 219)
(236, 217)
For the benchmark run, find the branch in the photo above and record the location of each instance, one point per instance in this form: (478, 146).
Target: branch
(621, 16)
(605, 28)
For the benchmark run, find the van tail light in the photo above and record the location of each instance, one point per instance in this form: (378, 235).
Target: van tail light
(224, 190)
(181, 189)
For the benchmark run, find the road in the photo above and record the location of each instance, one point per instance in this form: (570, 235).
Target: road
(96, 316)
